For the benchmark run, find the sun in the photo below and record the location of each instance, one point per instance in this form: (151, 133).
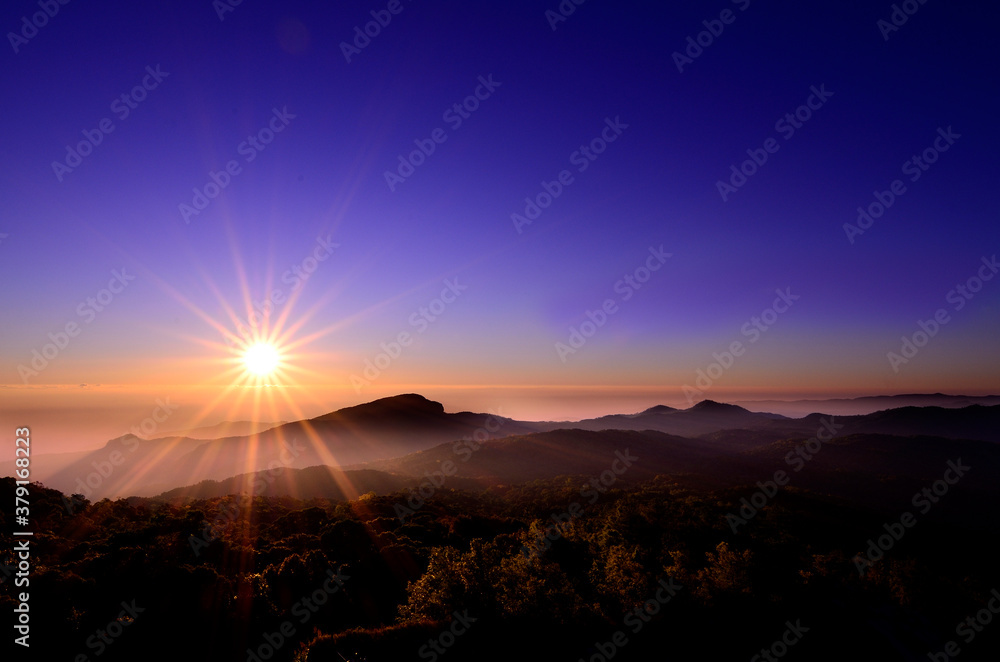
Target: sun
(261, 359)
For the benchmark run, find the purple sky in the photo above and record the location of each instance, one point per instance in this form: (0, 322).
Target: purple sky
(500, 294)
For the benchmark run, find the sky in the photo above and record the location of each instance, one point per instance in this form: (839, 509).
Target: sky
(547, 209)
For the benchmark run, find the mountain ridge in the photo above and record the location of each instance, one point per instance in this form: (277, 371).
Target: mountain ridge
(389, 428)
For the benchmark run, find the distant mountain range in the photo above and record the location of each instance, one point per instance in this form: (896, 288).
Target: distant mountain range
(868, 404)
(879, 472)
(705, 417)
(390, 443)
(864, 467)
(385, 428)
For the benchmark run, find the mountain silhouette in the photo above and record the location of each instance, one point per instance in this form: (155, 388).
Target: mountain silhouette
(703, 418)
(377, 434)
(870, 403)
(382, 429)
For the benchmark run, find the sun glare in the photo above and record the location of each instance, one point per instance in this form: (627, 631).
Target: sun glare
(261, 359)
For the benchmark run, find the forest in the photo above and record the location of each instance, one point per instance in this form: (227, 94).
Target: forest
(529, 571)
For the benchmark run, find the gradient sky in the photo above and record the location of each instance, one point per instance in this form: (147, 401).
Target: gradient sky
(495, 344)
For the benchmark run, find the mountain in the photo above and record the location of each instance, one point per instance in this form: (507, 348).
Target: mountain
(869, 404)
(226, 429)
(656, 409)
(375, 435)
(624, 454)
(522, 458)
(881, 472)
(703, 418)
(972, 422)
(877, 471)
(386, 428)
(311, 482)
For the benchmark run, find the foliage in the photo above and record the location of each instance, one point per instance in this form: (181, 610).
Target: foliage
(240, 567)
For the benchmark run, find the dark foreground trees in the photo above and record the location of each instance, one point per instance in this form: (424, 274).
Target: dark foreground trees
(651, 569)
